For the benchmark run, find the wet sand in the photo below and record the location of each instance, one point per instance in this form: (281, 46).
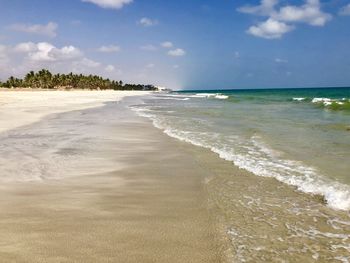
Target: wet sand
(153, 208)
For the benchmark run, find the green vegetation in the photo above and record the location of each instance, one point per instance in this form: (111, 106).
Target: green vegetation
(44, 79)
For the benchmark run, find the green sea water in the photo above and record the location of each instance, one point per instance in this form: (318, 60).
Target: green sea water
(299, 136)
(283, 193)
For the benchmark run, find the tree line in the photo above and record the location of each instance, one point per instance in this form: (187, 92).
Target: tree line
(44, 79)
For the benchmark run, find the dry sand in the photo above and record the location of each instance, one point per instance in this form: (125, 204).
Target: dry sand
(152, 208)
(20, 108)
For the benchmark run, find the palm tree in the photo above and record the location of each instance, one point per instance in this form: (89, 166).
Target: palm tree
(29, 78)
(45, 79)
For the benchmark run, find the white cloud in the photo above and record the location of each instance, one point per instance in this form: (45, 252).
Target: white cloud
(25, 47)
(280, 60)
(85, 66)
(167, 44)
(89, 63)
(109, 49)
(66, 53)
(176, 66)
(3, 51)
(266, 7)
(309, 13)
(148, 48)
(18, 59)
(109, 68)
(282, 19)
(177, 52)
(47, 30)
(113, 69)
(44, 51)
(147, 22)
(113, 4)
(270, 29)
(237, 55)
(173, 51)
(345, 11)
(151, 65)
(3, 55)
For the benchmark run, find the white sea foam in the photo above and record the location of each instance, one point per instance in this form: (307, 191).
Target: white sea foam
(198, 95)
(208, 96)
(316, 100)
(221, 97)
(174, 95)
(299, 99)
(325, 101)
(171, 98)
(328, 101)
(260, 159)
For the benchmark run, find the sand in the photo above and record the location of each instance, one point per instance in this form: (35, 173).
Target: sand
(19, 108)
(151, 208)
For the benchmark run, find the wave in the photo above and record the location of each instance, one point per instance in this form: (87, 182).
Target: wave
(197, 95)
(171, 98)
(208, 96)
(221, 97)
(333, 104)
(261, 160)
(327, 103)
(299, 99)
(211, 95)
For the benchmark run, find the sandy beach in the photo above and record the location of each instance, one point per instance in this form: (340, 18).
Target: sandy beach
(95, 182)
(19, 108)
(185, 132)
(122, 199)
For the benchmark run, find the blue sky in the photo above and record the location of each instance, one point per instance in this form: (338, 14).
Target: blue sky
(181, 44)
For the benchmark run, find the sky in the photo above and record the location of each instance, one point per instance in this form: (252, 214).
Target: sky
(183, 44)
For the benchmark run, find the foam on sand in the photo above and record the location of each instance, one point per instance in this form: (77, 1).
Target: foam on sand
(82, 218)
(262, 161)
(55, 135)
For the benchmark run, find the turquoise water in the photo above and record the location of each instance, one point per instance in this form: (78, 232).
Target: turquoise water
(301, 137)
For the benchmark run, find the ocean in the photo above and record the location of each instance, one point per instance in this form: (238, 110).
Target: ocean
(300, 137)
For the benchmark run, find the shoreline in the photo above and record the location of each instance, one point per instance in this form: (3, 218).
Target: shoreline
(149, 208)
(139, 195)
(263, 218)
(2, 89)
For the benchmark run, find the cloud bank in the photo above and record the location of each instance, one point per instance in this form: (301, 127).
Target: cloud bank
(44, 51)
(20, 58)
(282, 20)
